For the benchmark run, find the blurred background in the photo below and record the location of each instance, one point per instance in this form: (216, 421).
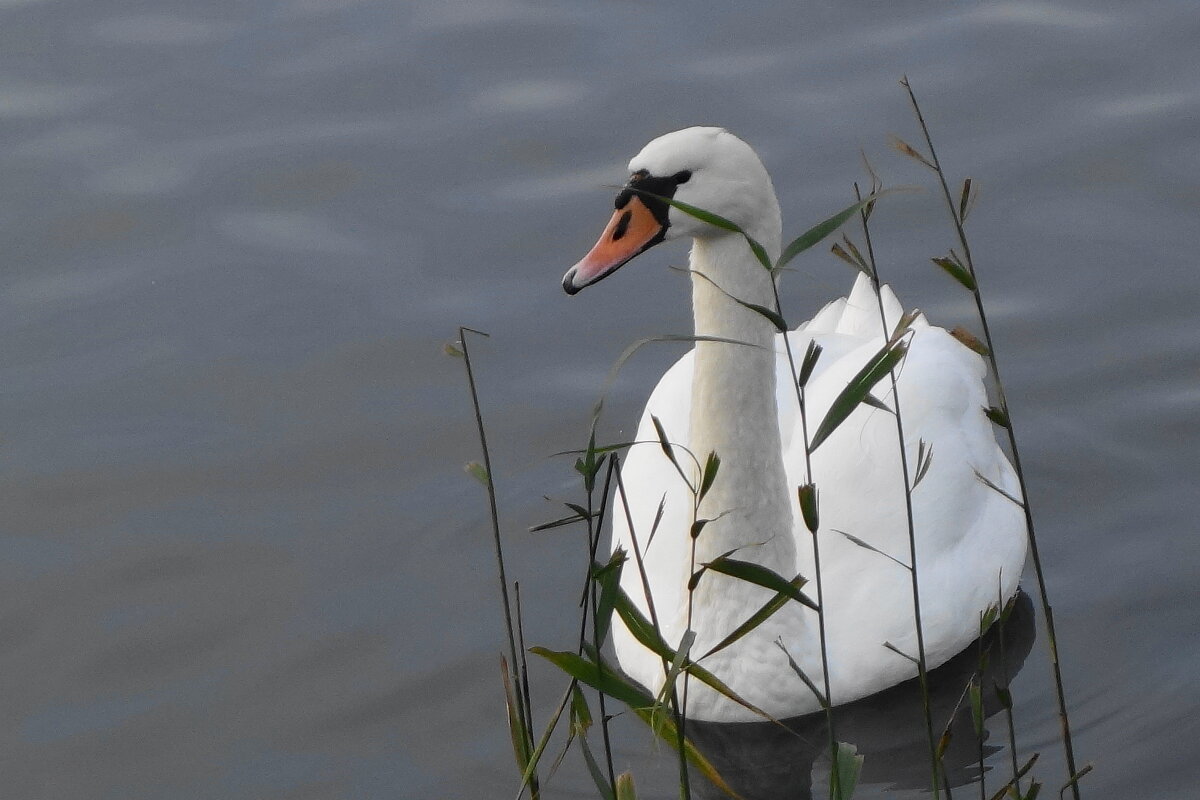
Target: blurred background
(239, 557)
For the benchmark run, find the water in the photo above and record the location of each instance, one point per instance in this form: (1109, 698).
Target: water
(240, 558)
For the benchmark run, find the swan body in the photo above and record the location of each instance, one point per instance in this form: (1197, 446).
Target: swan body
(737, 398)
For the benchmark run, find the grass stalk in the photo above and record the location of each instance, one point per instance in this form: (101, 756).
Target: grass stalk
(922, 666)
(685, 791)
(808, 473)
(957, 216)
(519, 680)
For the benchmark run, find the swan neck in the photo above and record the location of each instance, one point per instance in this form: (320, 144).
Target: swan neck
(734, 410)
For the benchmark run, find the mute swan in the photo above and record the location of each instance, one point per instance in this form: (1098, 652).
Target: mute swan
(738, 401)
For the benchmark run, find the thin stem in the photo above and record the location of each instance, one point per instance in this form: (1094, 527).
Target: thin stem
(800, 400)
(1012, 438)
(593, 530)
(922, 666)
(526, 707)
(495, 518)
(684, 785)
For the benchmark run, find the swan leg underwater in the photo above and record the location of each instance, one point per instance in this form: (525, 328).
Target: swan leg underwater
(738, 400)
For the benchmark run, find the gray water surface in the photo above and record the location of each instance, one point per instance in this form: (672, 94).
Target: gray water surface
(240, 558)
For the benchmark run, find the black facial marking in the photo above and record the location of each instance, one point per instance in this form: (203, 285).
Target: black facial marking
(645, 185)
(622, 226)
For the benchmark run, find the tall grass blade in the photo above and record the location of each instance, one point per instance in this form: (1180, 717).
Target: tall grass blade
(597, 676)
(857, 389)
(817, 232)
(1047, 610)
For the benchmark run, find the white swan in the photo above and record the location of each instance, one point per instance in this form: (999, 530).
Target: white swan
(738, 401)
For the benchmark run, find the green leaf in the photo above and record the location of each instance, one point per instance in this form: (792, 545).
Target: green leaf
(662, 440)
(857, 389)
(841, 253)
(817, 232)
(536, 756)
(988, 617)
(625, 790)
(874, 402)
(843, 777)
(677, 663)
(709, 474)
(609, 578)
(477, 471)
(452, 349)
(803, 677)
(715, 220)
(997, 415)
(581, 715)
(598, 776)
(810, 361)
(905, 322)
(957, 271)
(698, 526)
(521, 737)
(762, 576)
(964, 200)
(774, 317)
(1004, 696)
(596, 675)
(664, 727)
(757, 618)
(650, 638)
(808, 506)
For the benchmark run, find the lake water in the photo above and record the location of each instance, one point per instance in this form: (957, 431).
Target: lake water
(240, 558)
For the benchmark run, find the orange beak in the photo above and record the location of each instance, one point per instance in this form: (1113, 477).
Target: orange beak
(632, 230)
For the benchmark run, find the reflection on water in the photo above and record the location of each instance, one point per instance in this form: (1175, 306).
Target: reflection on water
(761, 761)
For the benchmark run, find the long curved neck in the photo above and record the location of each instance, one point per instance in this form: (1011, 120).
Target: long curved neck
(734, 409)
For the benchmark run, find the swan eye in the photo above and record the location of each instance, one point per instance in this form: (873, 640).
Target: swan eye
(682, 177)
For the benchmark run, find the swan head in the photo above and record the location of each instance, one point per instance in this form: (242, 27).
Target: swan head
(705, 167)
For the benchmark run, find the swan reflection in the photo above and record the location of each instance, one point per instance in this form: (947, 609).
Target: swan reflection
(760, 761)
